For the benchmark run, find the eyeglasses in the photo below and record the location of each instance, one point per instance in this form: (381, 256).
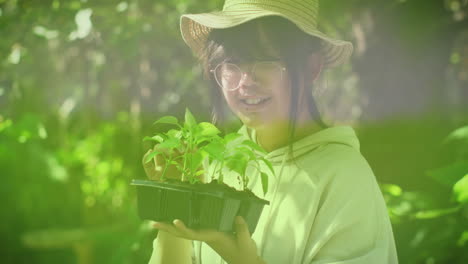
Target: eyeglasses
(229, 75)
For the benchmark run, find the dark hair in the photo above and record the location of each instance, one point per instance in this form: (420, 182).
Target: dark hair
(281, 39)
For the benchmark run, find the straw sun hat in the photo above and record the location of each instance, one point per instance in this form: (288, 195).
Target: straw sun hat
(195, 28)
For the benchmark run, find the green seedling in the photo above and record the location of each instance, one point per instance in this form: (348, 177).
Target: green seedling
(191, 143)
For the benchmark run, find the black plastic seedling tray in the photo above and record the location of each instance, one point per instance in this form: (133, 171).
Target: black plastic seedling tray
(199, 206)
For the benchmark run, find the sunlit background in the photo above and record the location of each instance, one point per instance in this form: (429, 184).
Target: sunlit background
(82, 81)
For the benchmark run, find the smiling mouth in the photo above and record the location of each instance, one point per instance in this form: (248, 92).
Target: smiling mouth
(255, 101)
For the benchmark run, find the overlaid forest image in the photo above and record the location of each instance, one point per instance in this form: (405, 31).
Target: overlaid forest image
(117, 129)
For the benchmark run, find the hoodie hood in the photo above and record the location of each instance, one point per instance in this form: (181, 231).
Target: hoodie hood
(332, 135)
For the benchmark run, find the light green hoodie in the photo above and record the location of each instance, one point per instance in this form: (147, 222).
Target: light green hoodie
(325, 205)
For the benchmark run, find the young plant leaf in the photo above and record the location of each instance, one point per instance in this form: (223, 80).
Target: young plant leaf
(170, 143)
(201, 140)
(196, 160)
(246, 151)
(174, 133)
(230, 137)
(237, 163)
(269, 165)
(450, 174)
(151, 155)
(215, 150)
(167, 120)
(264, 178)
(253, 145)
(459, 134)
(190, 121)
(156, 138)
(460, 190)
(208, 129)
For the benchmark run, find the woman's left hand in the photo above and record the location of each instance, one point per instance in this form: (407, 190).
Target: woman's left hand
(234, 249)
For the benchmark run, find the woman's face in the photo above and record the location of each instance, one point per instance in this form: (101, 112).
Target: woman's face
(273, 92)
(261, 102)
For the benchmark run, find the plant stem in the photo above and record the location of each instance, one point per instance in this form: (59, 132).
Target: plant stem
(165, 166)
(214, 171)
(221, 171)
(189, 149)
(191, 160)
(185, 166)
(243, 181)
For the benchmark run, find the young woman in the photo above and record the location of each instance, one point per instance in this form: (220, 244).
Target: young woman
(263, 58)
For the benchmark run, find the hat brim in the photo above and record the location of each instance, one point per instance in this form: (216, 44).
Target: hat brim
(195, 29)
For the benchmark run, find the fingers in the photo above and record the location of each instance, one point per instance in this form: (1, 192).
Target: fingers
(242, 230)
(201, 235)
(239, 249)
(169, 228)
(244, 241)
(178, 229)
(186, 232)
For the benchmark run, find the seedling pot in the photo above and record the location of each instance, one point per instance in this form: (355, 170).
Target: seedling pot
(199, 206)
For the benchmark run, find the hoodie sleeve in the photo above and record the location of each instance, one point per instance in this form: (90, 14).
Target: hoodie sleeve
(352, 224)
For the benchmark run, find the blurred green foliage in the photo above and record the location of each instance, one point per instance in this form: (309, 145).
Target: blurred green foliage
(82, 81)
(434, 227)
